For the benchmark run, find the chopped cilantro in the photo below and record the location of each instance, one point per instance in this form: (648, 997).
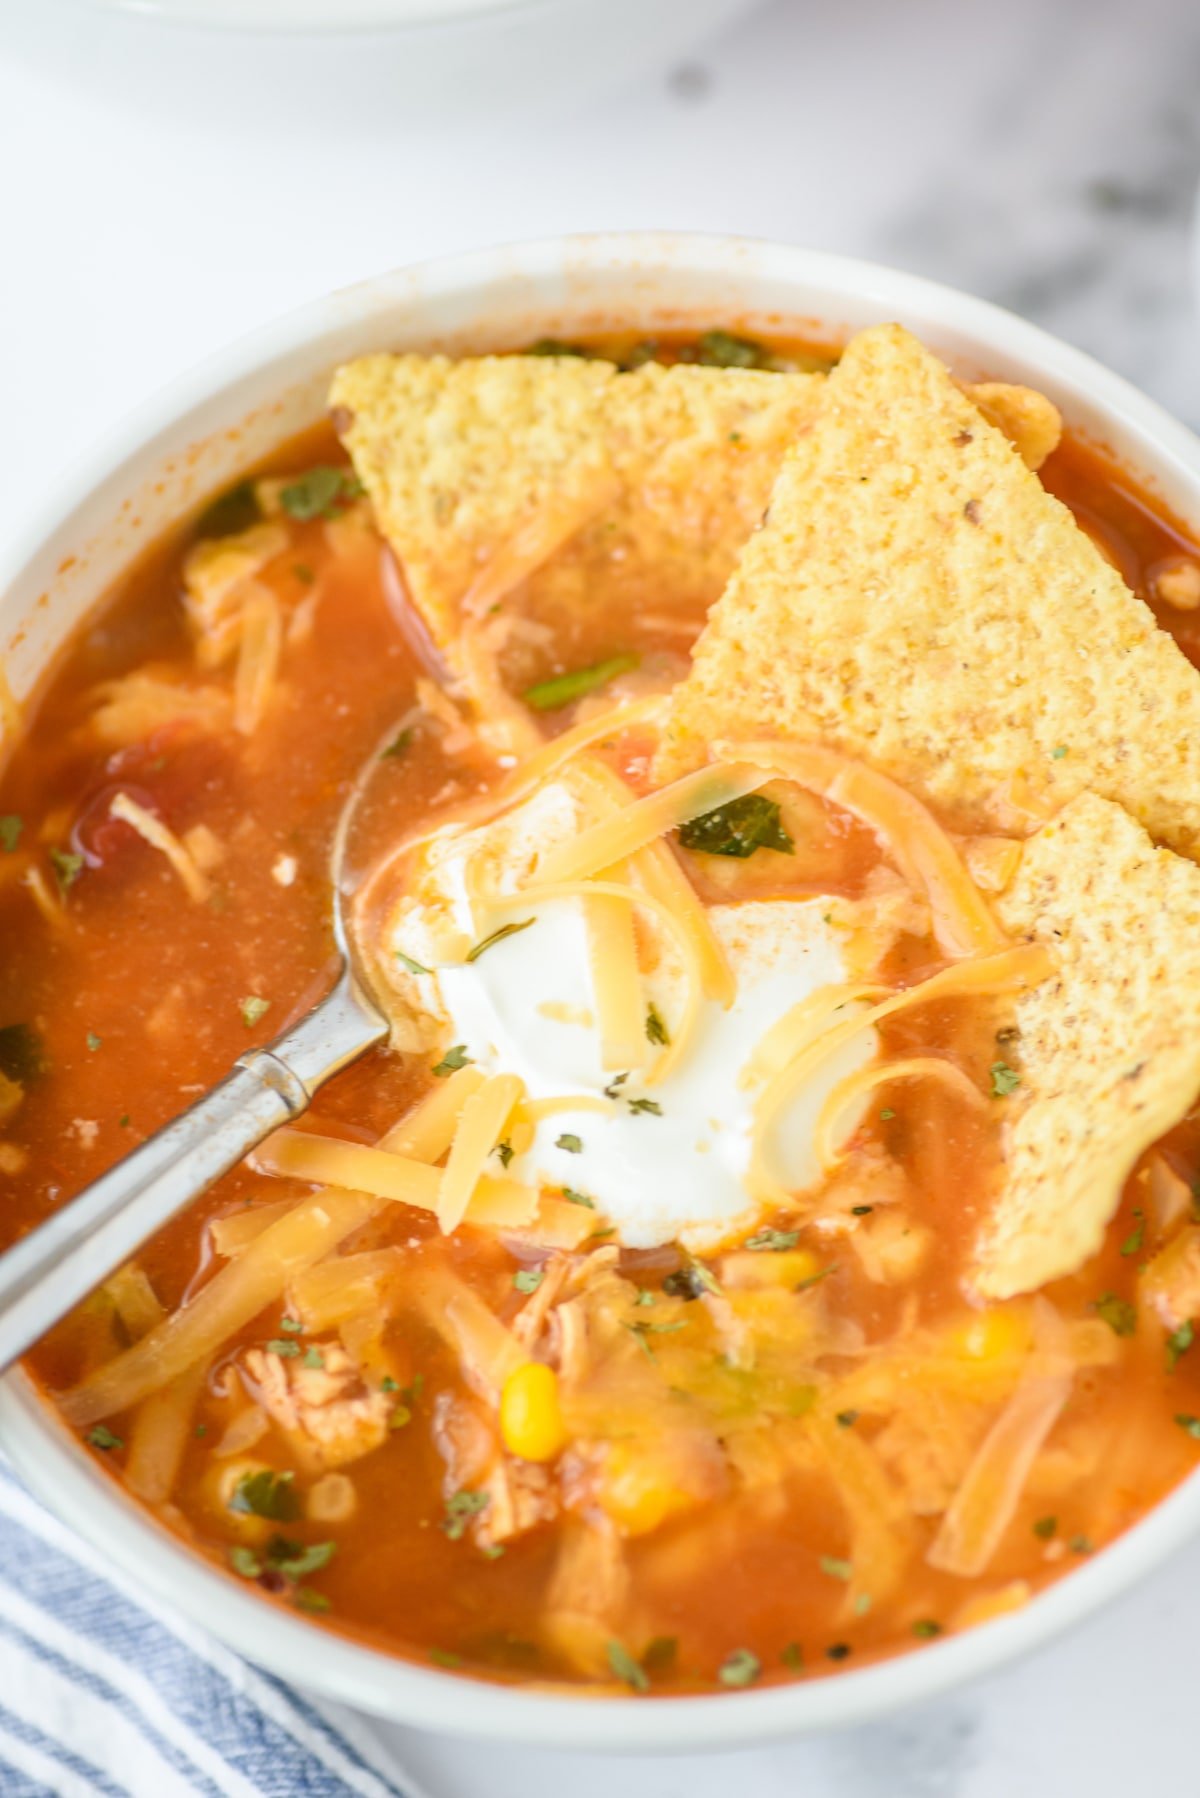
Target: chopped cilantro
(253, 1010)
(201, 1429)
(836, 1568)
(442, 1657)
(772, 1241)
(554, 346)
(93, 1041)
(1081, 1545)
(266, 1494)
(294, 1562)
(645, 1107)
(397, 746)
(491, 1551)
(317, 493)
(562, 689)
(577, 1198)
(305, 1599)
(1045, 1527)
(303, 573)
(612, 1090)
(644, 1297)
(10, 832)
(925, 1629)
(862, 1603)
(815, 1279)
(1005, 1080)
(67, 868)
(460, 1508)
(838, 1651)
(123, 1121)
(656, 1030)
(625, 1668)
(689, 1282)
(1191, 1425)
(571, 1144)
(887, 1114)
(528, 1279)
(861, 1210)
(740, 1668)
(1132, 1244)
(660, 1653)
(244, 1561)
(231, 513)
(282, 1345)
(1118, 1314)
(793, 1656)
(101, 1437)
(413, 967)
(505, 1152)
(388, 1384)
(738, 828)
(452, 1060)
(292, 1326)
(498, 936)
(1178, 1343)
(313, 1357)
(847, 1419)
(1059, 753)
(721, 349)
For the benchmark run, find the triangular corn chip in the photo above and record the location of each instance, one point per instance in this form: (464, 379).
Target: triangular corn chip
(1109, 1050)
(917, 598)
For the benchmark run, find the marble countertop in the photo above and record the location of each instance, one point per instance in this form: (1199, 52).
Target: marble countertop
(1043, 155)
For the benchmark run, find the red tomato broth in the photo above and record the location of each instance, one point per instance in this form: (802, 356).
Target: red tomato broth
(129, 1040)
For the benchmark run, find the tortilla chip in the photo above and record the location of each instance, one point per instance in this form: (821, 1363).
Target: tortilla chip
(918, 599)
(1031, 422)
(1109, 1051)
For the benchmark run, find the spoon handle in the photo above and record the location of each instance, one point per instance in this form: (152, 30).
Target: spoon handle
(51, 1269)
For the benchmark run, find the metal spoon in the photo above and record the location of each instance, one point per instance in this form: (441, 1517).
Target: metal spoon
(55, 1266)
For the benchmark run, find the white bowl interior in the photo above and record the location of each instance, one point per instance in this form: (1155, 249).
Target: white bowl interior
(195, 439)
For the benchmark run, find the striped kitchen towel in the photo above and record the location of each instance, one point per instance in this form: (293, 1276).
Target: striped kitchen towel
(105, 1695)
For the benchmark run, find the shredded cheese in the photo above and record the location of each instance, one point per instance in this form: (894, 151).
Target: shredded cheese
(616, 981)
(865, 1080)
(480, 1128)
(660, 873)
(535, 541)
(354, 1168)
(47, 902)
(800, 1026)
(153, 831)
(426, 1132)
(922, 851)
(615, 839)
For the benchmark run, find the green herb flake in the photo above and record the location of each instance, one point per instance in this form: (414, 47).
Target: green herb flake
(836, 1568)
(442, 1657)
(123, 1121)
(491, 1551)
(231, 513)
(1190, 1425)
(253, 1010)
(1058, 754)
(740, 1668)
(774, 1242)
(925, 1628)
(554, 346)
(528, 1279)
(102, 1438)
(839, 1651)
(305, 1599)
(498, 936)
(67, 868)
(738, 828)
(563, 689)
(93, 1041)
(630, 1672)
(396, 747)
(645, 1107)
(283, 1346)
(451, 1061)
(847, 1419)
(613, 1089)
(722, 349)
(413, 967)
(1005, 1080)
(294, 1562)
(313, 1357)
(504, 1150)
(887, 1114)
(577, 1198)
(793, 1657)
(1118, 1314)
(460, 1508)
(1178, 1343)
(291, 1326)
(656, 1030)
(303, 573)
(318, 493)
(201, 1429)
(1045, 1528)
(659, 1654)
(10, 832)
(266, 1494)
(1081, 1545)
(861, 1210)
(571, 1144)
(244, 1561)
(388, 1384)
(644, 1297)
(1132, 1244)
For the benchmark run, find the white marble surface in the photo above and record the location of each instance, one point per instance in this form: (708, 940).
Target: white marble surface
(1041, 152)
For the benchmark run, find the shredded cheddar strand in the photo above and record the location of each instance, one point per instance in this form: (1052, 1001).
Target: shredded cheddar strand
(616, 838)
(480, 1127)
(865, 1080)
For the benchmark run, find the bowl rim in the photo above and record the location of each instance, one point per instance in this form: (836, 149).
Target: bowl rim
(282, 19)
(337, 1666)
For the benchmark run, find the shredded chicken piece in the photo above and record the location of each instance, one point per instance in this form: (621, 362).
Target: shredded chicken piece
(530, 1320)
(331, 1415)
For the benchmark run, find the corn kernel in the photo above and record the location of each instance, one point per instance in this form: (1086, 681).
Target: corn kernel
(530, 1417)
(637, 1490)
(992, 1334)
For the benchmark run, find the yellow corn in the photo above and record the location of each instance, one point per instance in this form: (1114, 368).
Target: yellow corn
(992, 1334)
(530, 1417)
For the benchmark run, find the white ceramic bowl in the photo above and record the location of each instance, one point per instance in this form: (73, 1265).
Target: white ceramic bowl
(198, 436)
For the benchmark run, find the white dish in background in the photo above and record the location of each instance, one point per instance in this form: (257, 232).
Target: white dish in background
(197, 437)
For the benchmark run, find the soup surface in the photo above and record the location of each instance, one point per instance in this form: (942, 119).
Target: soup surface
(503, 1379)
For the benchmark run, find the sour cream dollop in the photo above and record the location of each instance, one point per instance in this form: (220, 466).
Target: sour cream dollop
(527, 1006)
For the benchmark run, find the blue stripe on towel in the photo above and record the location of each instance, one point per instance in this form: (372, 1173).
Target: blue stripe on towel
(261, 1736)
(61, 1753)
